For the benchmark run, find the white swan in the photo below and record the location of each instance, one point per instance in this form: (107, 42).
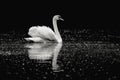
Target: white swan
(45, 34)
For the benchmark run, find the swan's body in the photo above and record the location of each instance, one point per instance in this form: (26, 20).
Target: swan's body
(45, 34)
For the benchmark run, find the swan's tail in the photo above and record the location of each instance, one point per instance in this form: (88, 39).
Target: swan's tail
(34, 39)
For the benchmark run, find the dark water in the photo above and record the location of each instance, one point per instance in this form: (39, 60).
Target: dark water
(83, 55)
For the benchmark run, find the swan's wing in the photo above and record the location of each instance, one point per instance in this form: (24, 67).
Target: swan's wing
(46, 33)
(42, 32)
(33, 32)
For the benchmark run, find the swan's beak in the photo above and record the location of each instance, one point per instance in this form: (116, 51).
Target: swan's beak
(62, 19)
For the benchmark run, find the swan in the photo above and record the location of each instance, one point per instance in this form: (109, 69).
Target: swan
(44, 33)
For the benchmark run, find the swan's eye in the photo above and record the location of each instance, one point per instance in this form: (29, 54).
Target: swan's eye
(59, 16)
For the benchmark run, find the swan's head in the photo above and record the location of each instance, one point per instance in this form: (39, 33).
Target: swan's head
(57, 17)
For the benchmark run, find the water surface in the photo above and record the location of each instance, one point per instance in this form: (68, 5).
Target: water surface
(82, 55)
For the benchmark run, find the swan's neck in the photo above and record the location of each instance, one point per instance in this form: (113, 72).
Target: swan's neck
(59, 39)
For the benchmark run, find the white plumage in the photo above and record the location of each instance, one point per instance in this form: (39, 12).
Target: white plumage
(44, 33)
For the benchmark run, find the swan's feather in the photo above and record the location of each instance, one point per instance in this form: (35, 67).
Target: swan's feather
(35, 39)
(43, 32)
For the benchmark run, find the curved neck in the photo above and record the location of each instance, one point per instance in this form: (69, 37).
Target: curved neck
(56, 30)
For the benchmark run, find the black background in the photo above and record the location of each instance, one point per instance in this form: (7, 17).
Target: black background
(19, 16)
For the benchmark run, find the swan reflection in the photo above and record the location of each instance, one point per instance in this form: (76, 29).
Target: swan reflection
(41, 51)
